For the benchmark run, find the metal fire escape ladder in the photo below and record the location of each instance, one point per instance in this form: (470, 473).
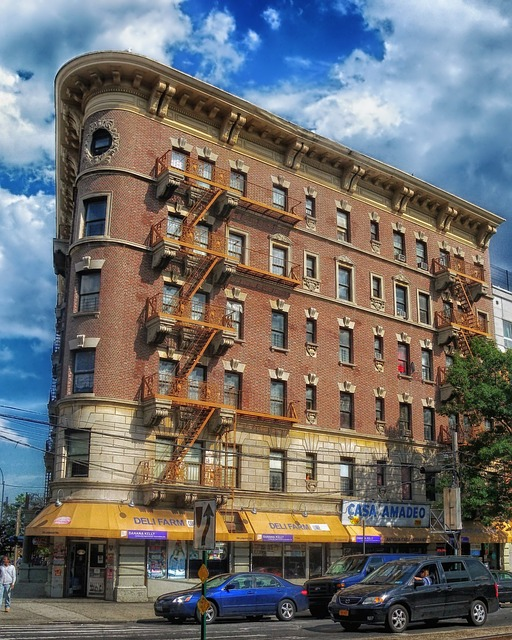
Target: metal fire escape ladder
(200, 270)
(202, 205)
(195, 350)
(469, 320)
(192, 426)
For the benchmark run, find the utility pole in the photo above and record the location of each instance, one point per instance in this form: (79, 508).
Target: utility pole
(452, 506)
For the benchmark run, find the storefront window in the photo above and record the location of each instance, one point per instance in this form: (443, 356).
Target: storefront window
(177, 559)
(268, 558)
(294, 561)
(156, 564)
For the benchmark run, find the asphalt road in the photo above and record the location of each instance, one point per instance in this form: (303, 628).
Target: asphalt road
(499, 626)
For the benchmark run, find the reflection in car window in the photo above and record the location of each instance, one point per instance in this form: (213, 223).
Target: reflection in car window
(347, 565)
(390, 573)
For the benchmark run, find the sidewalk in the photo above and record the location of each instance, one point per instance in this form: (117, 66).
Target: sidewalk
(46, 611)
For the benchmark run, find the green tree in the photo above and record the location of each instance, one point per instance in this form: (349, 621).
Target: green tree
(482, 402)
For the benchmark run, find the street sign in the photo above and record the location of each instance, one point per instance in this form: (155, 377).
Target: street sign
(204, 524)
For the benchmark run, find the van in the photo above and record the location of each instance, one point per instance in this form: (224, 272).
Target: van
(342, 573)
(429, 589)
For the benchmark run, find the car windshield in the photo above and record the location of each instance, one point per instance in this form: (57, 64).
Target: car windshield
(390, 573)
(346, 565)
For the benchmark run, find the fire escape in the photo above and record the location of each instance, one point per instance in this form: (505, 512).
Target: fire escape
(190, 328)
(459, 323)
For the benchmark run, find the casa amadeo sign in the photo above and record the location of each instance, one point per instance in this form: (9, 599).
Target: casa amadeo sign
(385, 514)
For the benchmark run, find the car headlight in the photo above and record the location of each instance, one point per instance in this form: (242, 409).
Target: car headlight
(375, 600)
(182, 599)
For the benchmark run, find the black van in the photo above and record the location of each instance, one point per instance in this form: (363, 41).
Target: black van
(342, 573)
(394, 594)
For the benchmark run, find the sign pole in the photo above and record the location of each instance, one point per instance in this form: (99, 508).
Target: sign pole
(203, 593)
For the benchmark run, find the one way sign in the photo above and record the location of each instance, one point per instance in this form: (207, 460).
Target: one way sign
(204, 524)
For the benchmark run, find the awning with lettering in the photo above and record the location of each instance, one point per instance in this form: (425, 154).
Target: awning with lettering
(294, 527)
(117, 520)
(381, 535)
(476, 532)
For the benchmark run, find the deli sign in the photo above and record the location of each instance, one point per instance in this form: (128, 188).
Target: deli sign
(382, 514)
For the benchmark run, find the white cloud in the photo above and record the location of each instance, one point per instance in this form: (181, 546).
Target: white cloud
(252, 40)
(272, 18)
(10, 435)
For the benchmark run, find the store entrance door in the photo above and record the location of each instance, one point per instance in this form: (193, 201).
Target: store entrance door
(86, 569)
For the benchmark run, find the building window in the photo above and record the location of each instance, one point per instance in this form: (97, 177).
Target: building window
(344, 283)
(193, 462)
(444, 258)
(205, 170)
(101, 142)
(238, 181)
(399, 246)
(235, 313)
(424, 308)
(430, 486)
(377, 287)
(89, 294)
(277, 398)
(482, 321)
(405, 419)
(279, 197)
(166, 374)
(279, 329)
(381, 473)
(279, 260)
(447, 311)
(345, 346)
(95, 217)
(236, 246)
(343, 225)
(346, 410)
(310, 397)
(174, 226)
(310, 207)
(404, 364)
(77, 453)
(170, 298)
(232, 389)
(427, 371)
(277, 470)
(199, 302)
(227, 460)
(380, 415)
(347, 476)
(311, 266)
(378, 348)
(406, 473)
(507, 334)
(178, 159)
(197, 383)
(163, 452)
(429, 424)
(401, 305)
(421, 255)
(374, 231)
(83, 371)
(310, 466)
(311, 331)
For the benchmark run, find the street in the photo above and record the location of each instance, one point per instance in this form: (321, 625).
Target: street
(499, 625)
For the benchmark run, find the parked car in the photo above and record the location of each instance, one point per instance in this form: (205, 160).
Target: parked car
(342, 573)
(394, 594)
(504, 580)
(251, 595)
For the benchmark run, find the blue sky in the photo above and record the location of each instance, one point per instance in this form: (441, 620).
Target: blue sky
(422, 85)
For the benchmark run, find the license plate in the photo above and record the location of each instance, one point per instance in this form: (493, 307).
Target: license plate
(343, 612)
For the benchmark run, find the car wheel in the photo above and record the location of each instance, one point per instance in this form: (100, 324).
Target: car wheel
(286, 610)
(350, 626)
(397, 619)
(210, 615)
(317, 611)
(477, 613)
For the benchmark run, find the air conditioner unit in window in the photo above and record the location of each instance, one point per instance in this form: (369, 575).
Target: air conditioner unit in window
(400, 256)
(423, 265)
(401, 313)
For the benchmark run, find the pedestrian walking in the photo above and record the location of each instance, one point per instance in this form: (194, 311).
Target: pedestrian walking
(7, 582)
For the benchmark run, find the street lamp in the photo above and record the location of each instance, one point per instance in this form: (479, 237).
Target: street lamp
(3, 492)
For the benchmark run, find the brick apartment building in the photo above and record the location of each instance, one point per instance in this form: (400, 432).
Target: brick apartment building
(247, 313)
